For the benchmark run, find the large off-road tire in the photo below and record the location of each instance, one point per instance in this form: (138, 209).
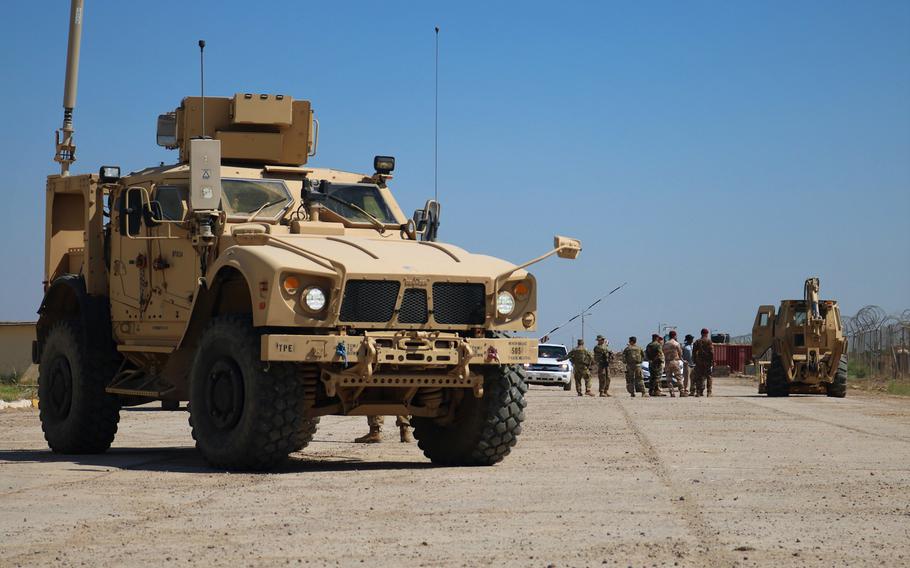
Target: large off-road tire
(567, 386)
(77, 416)
(838, 388)
(484, 429)
(776, 380)
(245, 414)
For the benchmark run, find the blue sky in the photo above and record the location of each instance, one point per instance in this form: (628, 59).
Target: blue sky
(712, 154)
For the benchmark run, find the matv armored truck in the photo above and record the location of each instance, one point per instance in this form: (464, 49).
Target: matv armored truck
(267, 293)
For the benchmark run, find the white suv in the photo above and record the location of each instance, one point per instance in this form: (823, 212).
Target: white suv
(549, 369)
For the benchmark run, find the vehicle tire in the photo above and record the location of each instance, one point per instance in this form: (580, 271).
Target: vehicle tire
(484, 429)
(244, 414)
(776, 380)
(567, 386)
(838, 389)
(76, 415)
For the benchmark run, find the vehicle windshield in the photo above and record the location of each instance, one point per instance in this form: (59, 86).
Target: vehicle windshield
(551, 351)
(243, 197)
(363, 195)
(799, 317)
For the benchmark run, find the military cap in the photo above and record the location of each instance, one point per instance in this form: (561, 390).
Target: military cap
(581, 341)
(655, 335)
(599, 337)
(689, 336)
(704, 331)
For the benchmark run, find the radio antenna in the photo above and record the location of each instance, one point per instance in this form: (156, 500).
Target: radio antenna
(436, 126)
(202, 83)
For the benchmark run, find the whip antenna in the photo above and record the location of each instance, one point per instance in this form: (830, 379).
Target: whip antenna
(202, 83)
(436, 125)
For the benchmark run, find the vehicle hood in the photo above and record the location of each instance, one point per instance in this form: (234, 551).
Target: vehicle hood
(394, 257)
(550, 361)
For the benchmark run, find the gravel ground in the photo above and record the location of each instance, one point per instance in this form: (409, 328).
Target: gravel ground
(734, 480)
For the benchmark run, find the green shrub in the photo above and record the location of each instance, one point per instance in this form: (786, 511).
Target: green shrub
(856, 370)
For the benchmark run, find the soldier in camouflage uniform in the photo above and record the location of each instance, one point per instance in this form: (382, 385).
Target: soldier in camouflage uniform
(375, 434)
(655, 354)
(603, 357)
(703, 353)
(632, 356)
(582, 359)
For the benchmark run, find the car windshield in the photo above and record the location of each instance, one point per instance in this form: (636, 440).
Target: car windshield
(243, 197)
(799, 317)
(551, 351)
(361, 195)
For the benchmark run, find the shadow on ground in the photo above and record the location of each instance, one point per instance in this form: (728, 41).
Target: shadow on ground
(188, 460)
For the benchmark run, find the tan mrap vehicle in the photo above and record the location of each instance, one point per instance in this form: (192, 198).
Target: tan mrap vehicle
(267, 294)
(808, 348)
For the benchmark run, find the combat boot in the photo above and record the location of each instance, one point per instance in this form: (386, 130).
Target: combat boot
(683, 392)
(374, 437)
(589, 393)
(406, 435)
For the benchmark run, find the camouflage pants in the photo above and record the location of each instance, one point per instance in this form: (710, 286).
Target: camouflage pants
(634, 379)
(603, 379)
(377, 421)
(656, 368)
(701, 376)
(675, 375)
(582, 376)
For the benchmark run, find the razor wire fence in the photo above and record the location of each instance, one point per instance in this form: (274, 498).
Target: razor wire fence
(878, 343)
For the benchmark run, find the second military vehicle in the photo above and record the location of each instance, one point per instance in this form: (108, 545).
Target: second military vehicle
(807, 343)
(268, 293)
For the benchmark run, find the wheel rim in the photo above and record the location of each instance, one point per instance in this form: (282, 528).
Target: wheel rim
(60, 391)
(224, 394)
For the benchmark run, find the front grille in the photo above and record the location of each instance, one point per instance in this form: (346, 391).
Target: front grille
(546, 367)
(369, 300)
(459, 304)
(413, 306)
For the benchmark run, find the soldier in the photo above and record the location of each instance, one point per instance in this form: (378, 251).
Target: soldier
(582, 359)
(673, 363)
(375, 434)
(703, 354)
(655, 354)
(632, 356)
(603, 357)
(688, 363)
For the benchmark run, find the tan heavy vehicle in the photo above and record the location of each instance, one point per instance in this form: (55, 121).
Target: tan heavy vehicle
(808, 348)
(267, 294)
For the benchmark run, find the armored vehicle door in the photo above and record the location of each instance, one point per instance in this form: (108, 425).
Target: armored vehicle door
(175, 266)
(129, 272)
(762, 331)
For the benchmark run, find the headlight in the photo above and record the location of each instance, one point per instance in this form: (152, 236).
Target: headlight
(565, 366)
(505, 303)
(313, 299)
(291, 284)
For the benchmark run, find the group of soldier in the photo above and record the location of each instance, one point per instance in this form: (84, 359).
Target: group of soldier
(688, 366)
(688, 369)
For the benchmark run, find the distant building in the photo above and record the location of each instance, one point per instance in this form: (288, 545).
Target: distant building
(16, 346)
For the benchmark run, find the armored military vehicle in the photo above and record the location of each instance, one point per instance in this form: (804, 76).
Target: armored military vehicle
(808, 348)
(268, 293)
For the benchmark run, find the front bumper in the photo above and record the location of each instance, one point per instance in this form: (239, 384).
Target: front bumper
(548, 377)
(402, 348)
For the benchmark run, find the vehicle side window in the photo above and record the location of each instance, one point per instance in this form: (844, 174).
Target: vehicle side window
(763, 320)
(172, 199)
(799, 317)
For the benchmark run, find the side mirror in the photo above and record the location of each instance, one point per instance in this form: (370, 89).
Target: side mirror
(431, 212)
(152, 214)
(167, 130)
(420, 220)
(566, 247)
(130, 209)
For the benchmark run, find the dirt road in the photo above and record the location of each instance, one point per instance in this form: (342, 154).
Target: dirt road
(735, 480)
